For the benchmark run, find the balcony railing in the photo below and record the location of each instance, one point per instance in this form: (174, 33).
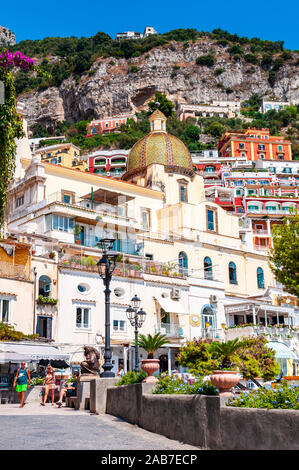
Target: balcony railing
(14, 271)
(122, 246)
(170, 329)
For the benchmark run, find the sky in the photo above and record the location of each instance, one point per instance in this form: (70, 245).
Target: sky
(265, 19)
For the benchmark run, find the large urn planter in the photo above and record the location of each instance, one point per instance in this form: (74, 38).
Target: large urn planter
(225, 380)
(150, 366)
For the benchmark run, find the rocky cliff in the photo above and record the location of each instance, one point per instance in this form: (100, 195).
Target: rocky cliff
(7, 37)
(114, 86)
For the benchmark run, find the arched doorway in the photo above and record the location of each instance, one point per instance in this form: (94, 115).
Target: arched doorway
(163, 363)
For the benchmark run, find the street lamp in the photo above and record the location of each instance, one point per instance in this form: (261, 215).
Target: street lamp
(106, 267)
(136, 318)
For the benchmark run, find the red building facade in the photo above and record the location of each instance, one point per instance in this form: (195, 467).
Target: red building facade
(254, 144)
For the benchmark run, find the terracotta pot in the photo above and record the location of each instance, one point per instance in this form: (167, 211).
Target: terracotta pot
(224, 380)
(150, 366)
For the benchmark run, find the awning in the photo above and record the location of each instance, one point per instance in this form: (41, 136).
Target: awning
(171, 306)
(6, 357)
(281, 350)
(32, 352)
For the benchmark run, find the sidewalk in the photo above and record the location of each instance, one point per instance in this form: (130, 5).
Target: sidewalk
(51, 428)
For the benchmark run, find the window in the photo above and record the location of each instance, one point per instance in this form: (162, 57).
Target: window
(210, 169)
(183, 193)
(208, 317)
(119, 325)
(232, 271)
(83, 288)
(280, 148)
(241, 146)
(208, 271)
(260, 278)
(54, 161)
(63, 224)
(183, 263)
(44, 286)
(44, 326)
(272, 170)
(280, 157)
(262, 156)
(261, 147)
(146, 219)
(66, 198)
(211, 225)
(4, 310)
(20, 201)
(82, 317)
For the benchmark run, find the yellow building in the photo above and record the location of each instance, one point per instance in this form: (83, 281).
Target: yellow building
(66, 154)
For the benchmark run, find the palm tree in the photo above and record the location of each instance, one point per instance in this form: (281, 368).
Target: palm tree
(151, 343)
(226, 351)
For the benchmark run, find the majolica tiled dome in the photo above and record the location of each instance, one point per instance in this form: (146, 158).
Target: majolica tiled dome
(158, 147)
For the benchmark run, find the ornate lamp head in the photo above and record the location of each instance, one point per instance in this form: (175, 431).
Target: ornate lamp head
(130, 314)
(136, 302)
(106, 244)
(141, 317)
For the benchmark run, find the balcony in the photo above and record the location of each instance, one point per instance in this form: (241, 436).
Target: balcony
(14, 271)
(259, 232)
(122, 246)
(173, 330)
(106, 212)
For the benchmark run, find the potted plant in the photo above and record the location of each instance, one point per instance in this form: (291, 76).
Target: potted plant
(227, 376)
(150, 344)
(52, 255)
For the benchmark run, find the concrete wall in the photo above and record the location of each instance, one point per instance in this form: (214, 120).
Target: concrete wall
(204, 421)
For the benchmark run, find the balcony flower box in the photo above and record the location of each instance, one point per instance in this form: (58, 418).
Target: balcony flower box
(46, 300)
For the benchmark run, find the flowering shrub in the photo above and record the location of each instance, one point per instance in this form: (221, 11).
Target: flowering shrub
(283, 397)
(132, 378)
(9, 60)
(176, 385)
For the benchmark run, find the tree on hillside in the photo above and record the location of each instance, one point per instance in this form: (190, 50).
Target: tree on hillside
(284, 256)
(166, 106)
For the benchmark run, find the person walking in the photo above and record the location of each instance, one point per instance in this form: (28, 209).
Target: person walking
(70, 391)
(22, 382)
(49, 384)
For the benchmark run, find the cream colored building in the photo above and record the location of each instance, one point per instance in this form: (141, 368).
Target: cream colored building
(180, 253)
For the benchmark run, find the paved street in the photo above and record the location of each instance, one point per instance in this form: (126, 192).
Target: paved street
(37, 427)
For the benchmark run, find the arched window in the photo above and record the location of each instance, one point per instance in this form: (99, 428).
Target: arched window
(232, 271)
(260, 278)
(208, 320)
(44, 286)
(208, 271)
(183, 263)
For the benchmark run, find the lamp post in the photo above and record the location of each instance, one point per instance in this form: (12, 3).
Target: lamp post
(136, 318)
(106, 267)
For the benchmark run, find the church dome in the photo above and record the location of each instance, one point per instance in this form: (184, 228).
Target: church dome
(158, 147)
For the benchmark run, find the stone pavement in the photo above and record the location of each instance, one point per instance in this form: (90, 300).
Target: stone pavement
(50, 428)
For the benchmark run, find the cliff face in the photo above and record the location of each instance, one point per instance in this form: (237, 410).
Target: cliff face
(7, 37)
(111, 88)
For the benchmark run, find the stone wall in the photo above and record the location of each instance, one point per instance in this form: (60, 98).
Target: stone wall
(204, 421)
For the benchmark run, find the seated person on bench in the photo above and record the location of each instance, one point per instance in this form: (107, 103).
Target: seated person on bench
(70, 391)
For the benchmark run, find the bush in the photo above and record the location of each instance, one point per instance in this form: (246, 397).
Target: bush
(207, 60)
(251, 58)
(37, 381)
(176, 385)
(282, 397)
(131, 378)
(133, 69)
(218, 72)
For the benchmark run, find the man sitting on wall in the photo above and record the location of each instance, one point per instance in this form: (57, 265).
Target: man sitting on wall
(69, 391)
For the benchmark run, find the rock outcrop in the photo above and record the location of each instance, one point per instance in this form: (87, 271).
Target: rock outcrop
(110, 87)
(7, 37)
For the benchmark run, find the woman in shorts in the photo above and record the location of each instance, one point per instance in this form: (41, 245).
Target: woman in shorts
(49, 384)
(22, 382)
